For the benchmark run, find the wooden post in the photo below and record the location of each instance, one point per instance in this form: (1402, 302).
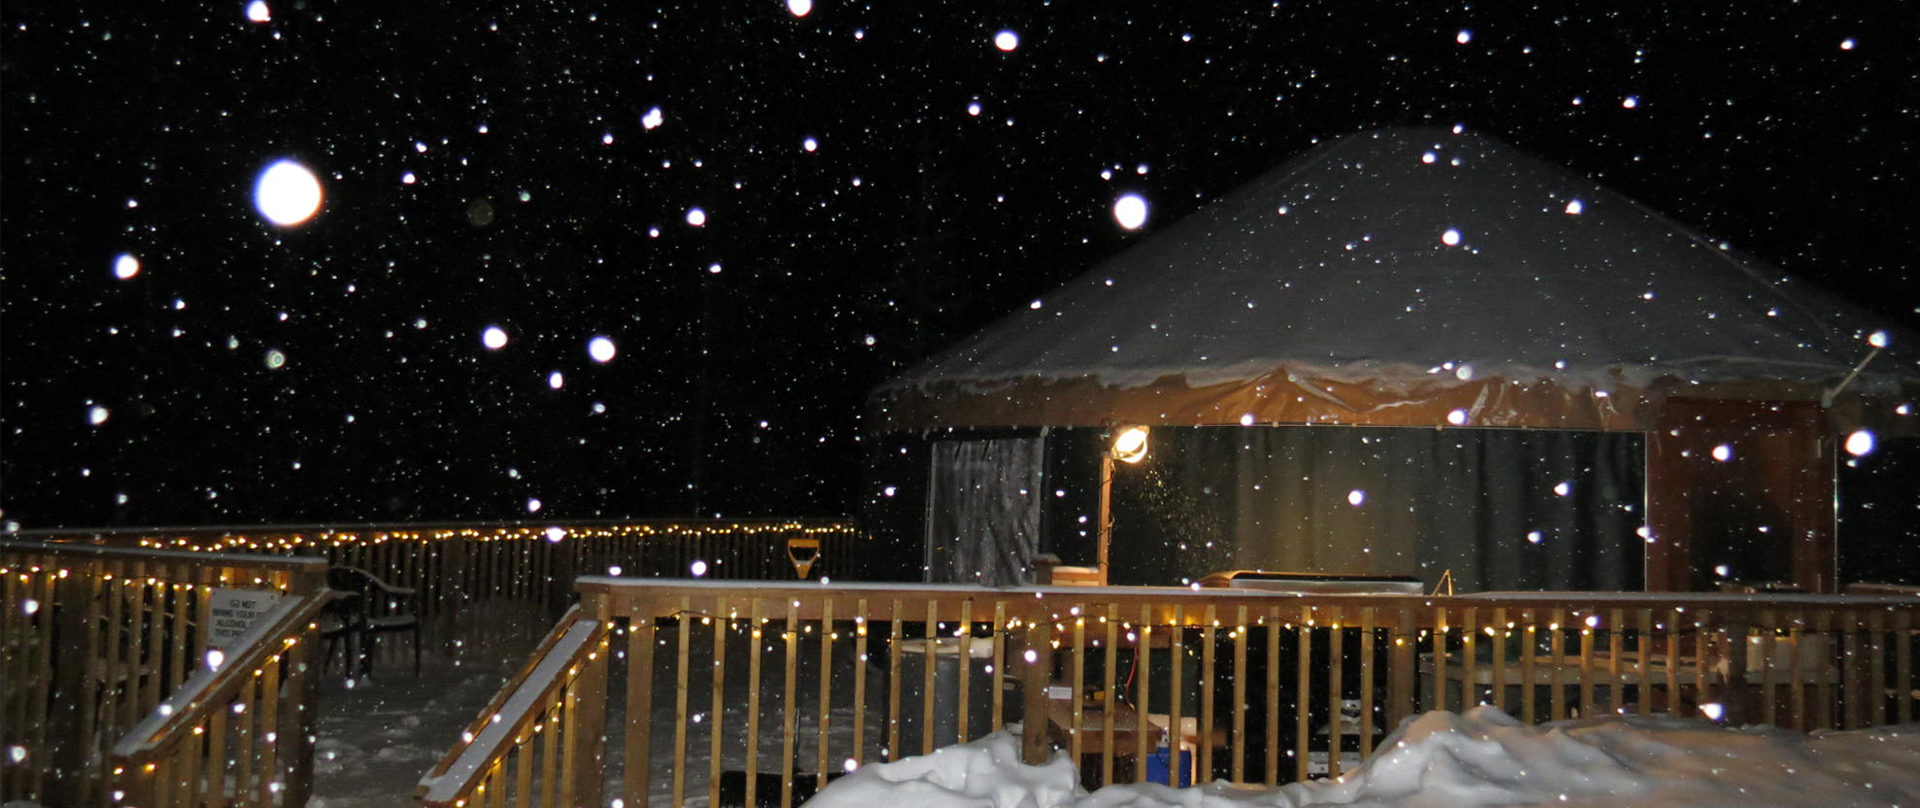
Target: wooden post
(1528, 673)
(683, 649)
(999, 665)
(1208, 675)
(1336, 688)
(639, 736)
(69, 724)
(789, 701)
(303, 687)
(1501, 637)
(823, 724)
(929, 677)
(716, 718)
(1077, 660)
(1177, 696)
(894, 643)
(1438, 701)
(1556, 639)
(1469, 664)
(1238, 766)
(964, 732)
(755, 627)
(1109, 706)
(1402, 679)
(1303, 695)
(590, 715)
(1143, 671)
(1104, 514)
(1036, 673)
(1367, 640)
(860, 685)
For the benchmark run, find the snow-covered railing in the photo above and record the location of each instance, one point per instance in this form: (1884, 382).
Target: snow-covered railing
(1239, 685)
(477, 581)
(237, 733)
(543, 734)
(92, 639)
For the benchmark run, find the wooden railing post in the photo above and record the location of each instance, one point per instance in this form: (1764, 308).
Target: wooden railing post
(1736, 696)
(1401, 669)
(69, 726)
(589, 716)
(296, 740)
(1036, 674)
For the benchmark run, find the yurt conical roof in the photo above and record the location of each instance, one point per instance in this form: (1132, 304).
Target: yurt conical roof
(1413, 276)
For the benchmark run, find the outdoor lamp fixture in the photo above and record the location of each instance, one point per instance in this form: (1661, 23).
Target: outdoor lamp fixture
(1130, 446)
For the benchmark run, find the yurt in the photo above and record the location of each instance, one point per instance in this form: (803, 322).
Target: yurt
(1405, 352)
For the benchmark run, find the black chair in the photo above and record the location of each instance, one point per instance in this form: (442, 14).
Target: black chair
(363, 608)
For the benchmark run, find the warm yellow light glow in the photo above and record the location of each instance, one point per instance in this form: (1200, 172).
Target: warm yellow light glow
(1131, 445)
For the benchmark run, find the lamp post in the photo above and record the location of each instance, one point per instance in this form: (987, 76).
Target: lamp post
(1129, 445)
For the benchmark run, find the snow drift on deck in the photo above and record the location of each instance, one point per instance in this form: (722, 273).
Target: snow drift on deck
(1481, 759)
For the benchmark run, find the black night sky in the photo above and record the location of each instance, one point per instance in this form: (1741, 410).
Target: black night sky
(493, 166)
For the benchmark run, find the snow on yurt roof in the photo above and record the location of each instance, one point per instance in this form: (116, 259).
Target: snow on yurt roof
(1414, 276)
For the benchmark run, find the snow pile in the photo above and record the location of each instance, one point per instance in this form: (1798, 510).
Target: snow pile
(986, 773)
(1481, 759)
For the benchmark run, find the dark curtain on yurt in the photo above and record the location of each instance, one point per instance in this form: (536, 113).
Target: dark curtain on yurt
(1500, 509)
(983, 511)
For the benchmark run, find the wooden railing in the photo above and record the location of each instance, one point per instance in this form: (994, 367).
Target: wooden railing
(93, 639)
(236, 733)
(543, 735)
(500, 576)
(898, 670)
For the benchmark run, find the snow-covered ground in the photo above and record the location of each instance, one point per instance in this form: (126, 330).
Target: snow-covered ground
(377, 736)
(1478, 760)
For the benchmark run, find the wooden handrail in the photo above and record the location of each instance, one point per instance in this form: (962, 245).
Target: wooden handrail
(291, 564)
(667, 591)
(267, 638)
(560, 659)
(500, 696)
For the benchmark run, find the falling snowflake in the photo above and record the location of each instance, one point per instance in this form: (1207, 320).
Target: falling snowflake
(601, 349)
(1130, 211)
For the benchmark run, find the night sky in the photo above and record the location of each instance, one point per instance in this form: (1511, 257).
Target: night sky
(877, 180)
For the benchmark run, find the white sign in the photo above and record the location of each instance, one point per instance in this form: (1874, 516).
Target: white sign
(234, 610)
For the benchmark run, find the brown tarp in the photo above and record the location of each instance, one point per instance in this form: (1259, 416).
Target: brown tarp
(1281, 398)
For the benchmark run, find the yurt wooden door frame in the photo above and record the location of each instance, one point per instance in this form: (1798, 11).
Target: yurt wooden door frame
(1746, 480)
